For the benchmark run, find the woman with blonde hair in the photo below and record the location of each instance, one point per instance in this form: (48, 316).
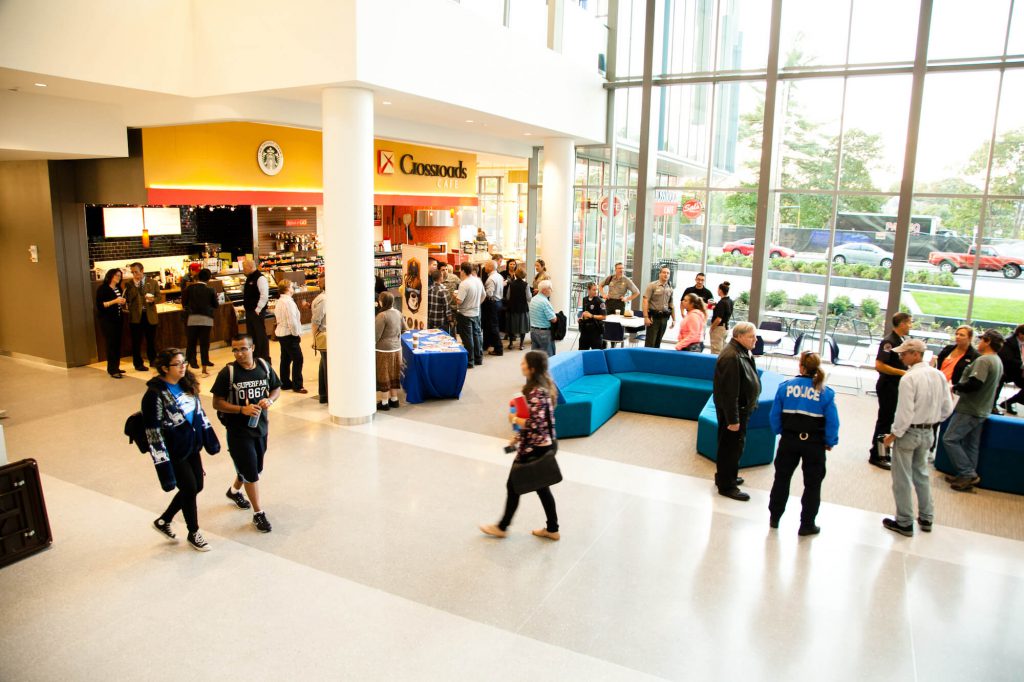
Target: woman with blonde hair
(691, 331)
(804, 413)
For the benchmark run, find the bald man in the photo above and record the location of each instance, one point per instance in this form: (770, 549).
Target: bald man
(255, 296)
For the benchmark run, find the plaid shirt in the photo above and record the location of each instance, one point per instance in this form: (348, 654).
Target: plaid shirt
(438, 307)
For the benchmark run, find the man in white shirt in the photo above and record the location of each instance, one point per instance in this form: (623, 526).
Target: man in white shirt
(490, 310)
(468, 299)
(318, 326)
(288, 331)
(924, 401)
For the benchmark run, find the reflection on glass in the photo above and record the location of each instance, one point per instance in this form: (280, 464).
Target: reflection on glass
(736, 141)
(967, 29)
(814, 33)
(1000, 286)
(678, 226)
(875, 133)
(809, 143)
(956, 127)
(683, 127)
(743, 34)
(883, 31)
(630, 46)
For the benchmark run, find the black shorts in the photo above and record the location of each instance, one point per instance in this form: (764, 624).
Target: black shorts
(247, 453)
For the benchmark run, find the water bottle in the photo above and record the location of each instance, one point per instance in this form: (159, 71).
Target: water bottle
(254, 420)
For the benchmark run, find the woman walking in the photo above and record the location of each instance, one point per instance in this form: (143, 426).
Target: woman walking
(199, 302)
(535, 439)
(177, 430)
(289, 333)
(691, 331)
(804, 413)
(517, 309)
(109, 305)
(388, 325)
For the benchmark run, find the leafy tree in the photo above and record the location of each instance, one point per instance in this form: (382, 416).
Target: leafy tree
(1007, 178)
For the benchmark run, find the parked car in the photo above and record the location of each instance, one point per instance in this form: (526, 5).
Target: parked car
(684, 242)
(864, 252)
(745, 247)
(991, 260)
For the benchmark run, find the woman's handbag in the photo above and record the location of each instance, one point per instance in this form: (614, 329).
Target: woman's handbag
(320, 340)
(537, 472)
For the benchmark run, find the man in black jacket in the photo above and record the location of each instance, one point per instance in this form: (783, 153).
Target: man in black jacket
(736, 390)
(1011, 354)
(255, 296)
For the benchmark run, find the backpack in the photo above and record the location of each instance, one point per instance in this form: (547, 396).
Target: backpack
(260, 362)
(135, 429)
(559, 327)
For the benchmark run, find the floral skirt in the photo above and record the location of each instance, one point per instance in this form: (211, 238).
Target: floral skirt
(389, 370)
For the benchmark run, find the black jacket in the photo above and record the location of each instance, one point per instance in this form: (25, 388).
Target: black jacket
(170, 435)
(736, 386)
(517, 297)
(199, 299)
(1010, 355)
(967, 358)
(251, 293)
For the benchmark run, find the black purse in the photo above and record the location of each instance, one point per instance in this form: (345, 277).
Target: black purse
(538, 472)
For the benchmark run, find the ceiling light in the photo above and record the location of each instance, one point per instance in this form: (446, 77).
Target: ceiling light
(40, 85)
(386, 103)
(270, 208)
(527, 134)
(469, 120)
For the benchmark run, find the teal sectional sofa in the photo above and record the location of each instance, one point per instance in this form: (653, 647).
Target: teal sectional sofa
(595, 384)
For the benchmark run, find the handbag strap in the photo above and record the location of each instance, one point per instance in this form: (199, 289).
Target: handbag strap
(551, 421)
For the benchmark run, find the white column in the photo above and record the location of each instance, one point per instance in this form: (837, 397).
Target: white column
(348, 252)
(556, 217)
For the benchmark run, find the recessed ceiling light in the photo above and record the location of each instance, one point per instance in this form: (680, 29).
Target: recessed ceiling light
(40, 85)
(527, 134)
(469, 120)
(386, 103)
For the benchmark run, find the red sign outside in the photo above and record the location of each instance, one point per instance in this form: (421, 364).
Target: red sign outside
(296, 222)
(693, 208)
(604, 205)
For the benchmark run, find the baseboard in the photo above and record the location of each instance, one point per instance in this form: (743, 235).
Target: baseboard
(14, 355)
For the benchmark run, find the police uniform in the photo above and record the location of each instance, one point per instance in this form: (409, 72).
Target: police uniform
(659, 309)
(888, 390)
(591, 330)
(808, 421)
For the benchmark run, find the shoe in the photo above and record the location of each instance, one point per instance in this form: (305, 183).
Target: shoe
(965, 483)
(209, 364)
(520, 346)
(773, 521)
(116, 376)
(383, 407)
(739, 481)
(393, 404)
(238, 498)
(141, 368)
(323, 401)
(493, 531)
(470, 366)
(808, 530)
(301, 390)
(510, 346)
(894, 526)
(545, 533)
(949, 479)
(198, 542)
(881, 464)
(480, 361)
(164, 528)
(926, 526)
(1008, 406)
(735, 494)
(259, 519)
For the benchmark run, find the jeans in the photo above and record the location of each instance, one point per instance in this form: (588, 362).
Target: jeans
(291, 362)
(546, 499)
(140, 329)
(910, 473)
(201, 335)
(810, 454)
(963, 436)
(888, 395)
(541, 339)
(472, 337)
(730, 449)
(188, 473)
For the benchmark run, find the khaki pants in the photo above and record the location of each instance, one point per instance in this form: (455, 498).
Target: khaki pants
(718, 334)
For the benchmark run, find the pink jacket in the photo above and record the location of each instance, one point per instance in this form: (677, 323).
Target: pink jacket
(692, 329)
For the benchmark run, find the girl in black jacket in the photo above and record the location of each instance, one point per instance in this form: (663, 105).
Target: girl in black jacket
(177, 429)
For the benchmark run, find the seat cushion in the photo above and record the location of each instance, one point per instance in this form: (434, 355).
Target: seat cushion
(659, 361)
(594, 362)
(665, 395)
(586, 404)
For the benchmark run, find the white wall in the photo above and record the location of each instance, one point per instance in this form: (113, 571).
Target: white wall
(52, 127)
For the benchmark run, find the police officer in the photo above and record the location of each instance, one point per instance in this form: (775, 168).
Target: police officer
(890, 368)
(804, 413)
(591, 320)
(658, 308)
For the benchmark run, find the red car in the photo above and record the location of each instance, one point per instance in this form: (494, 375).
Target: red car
(745, 247)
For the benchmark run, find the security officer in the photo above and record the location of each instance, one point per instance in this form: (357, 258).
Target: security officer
(658, 308)
(890, 368)
(805, 414)
(592, 320)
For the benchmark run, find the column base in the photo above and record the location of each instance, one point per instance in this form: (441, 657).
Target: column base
(351, 421)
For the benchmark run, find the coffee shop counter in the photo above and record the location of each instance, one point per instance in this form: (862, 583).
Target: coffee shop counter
(170, 331)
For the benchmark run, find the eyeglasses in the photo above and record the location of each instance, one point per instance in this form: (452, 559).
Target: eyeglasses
(241, 350)
(178, 364)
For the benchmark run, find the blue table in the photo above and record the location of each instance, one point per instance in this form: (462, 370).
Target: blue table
(432, 374)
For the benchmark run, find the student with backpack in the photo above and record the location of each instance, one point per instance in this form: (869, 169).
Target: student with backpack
(176, 431)
(242, 394)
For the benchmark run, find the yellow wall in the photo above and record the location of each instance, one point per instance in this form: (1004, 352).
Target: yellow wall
(222, 156)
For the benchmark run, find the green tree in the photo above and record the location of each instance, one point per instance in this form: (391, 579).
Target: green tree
(959, 214)
(1007, 178)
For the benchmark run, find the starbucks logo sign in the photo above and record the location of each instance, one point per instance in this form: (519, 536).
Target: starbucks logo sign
(270, 157)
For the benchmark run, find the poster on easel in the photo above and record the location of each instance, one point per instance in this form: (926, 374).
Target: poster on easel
(414, 286)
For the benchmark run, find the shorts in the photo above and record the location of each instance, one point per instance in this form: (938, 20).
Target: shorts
(247, 453)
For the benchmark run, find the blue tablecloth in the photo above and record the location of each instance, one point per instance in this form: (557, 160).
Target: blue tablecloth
(432, 375)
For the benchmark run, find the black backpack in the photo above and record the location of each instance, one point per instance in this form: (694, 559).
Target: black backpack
(135, 429)
(559, 327)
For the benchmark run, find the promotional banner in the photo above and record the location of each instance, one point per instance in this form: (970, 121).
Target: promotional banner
(414, 286)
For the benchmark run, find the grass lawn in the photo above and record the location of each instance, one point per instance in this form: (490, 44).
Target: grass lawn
(955, 305)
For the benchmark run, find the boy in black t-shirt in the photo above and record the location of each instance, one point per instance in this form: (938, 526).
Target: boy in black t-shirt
(244, 389)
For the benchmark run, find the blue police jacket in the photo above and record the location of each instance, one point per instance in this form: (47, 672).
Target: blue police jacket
(800, 408)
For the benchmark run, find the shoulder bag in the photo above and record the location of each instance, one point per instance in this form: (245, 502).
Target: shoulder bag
(538, 472)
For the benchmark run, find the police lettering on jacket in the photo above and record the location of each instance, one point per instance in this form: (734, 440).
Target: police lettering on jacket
(800, 408)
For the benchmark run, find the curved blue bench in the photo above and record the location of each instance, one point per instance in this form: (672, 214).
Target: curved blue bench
(595, 384)
(1000, 455)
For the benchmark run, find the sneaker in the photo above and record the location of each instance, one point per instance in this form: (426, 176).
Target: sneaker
(164, 528)
(198, 542)
(926, 526)
(545, 533)
(965, 483)
(493, 531)
(259, 519)
(894, 526)
(881, 463)
(238, 498)
(808, 530)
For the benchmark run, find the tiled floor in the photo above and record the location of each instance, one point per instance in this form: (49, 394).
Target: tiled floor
(375, 570)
